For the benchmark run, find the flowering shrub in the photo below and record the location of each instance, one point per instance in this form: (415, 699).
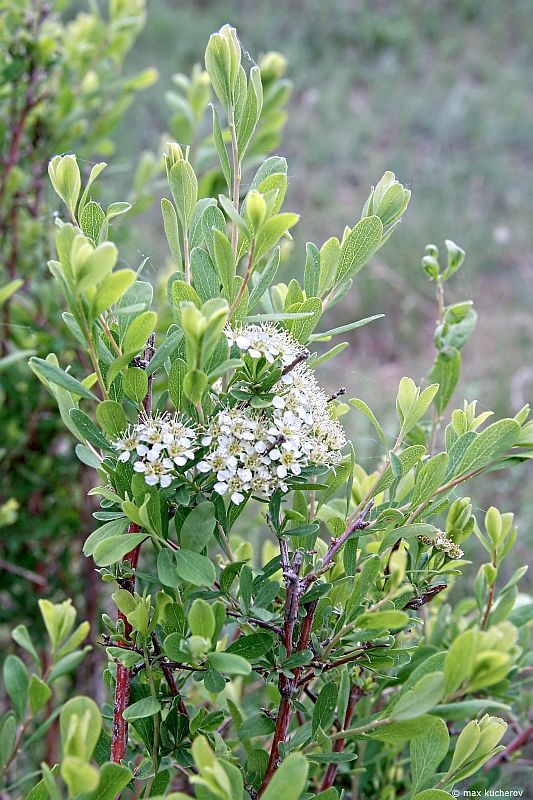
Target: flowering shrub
(283, 622)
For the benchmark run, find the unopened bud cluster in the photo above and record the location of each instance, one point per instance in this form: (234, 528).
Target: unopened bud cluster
(442, 543)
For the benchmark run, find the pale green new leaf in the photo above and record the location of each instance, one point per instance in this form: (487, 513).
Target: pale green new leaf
(357, 248)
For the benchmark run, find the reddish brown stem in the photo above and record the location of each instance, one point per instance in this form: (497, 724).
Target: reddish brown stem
(169, 677)
(287, 687)
(338, 746)
(119, 739)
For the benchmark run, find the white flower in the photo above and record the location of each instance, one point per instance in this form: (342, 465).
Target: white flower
(162, 444)
(265, 340)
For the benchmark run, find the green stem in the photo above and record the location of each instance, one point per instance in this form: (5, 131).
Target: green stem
(92, 351)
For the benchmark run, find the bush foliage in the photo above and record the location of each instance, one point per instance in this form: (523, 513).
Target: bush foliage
(285, 621)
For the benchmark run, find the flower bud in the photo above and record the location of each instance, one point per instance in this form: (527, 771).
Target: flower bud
(490, 573)
(456, 256)
(466, 744)
(493, 524)
(222, 62)
(492, 730)
(431, 267)
(388, 200)
(272, 66)
(255, 209)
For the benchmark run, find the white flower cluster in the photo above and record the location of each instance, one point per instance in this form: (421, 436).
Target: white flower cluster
(265, 340)
(442, 543)
(161, 444)
(256, 451)
(248, 450)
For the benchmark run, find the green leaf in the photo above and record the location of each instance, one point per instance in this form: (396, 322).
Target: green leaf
(8, 735)
(111, 290)
(114, 548)
(217, 60)
(57, 376)
(66, 179)
(39, 694)
(252, 646)
(135, 384)
(430, 477)
(22, 637)
(324, 710)
(459, 662)
(184, 188)
(235, 217)
(229, 663)
(177, 373)
(331, 757)
(112, 528)
(301, 329)
(445, 372)
(432, 794)
(271, 166)
(198, 527)
(95, 267)
(80, 724)
(329, 261)
(19, 355)
(357, 248)
(194, 568)
(317, 337)
(194, 385)
(9, 289)
(380, 620)
(201, 619)
(409, 457)
(170, 225)
(362, 406)
(166, 569)
(424, 696)
(204, 275)
(311, 269)
(164, 351)
(95, 172)
(428, 751)
(224, 259)
(251, 111)
(400, 732)
(221, 148)
(489, 445)
(78, 775)
(111, 418)
(16, 682)
(457, 327)
(184, 293)
(264, 280)
(113, 779)
(271, 231)
(146, 707)
(92, 220)
(88, 430)
(256, 725)
(138, 332)
(408, 532)
(117, 209)
(289, 780)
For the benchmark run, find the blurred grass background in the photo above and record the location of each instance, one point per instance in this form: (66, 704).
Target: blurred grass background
(438, 92)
